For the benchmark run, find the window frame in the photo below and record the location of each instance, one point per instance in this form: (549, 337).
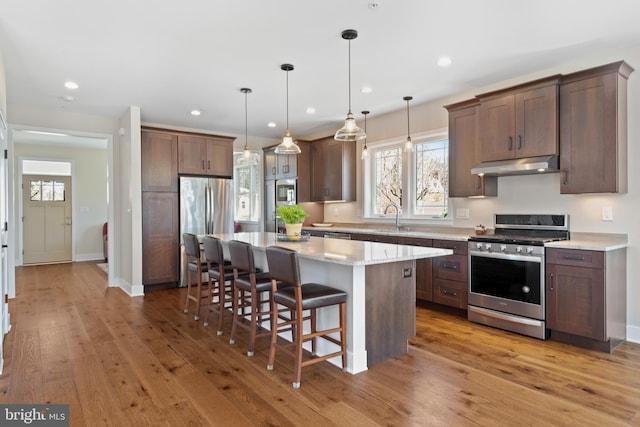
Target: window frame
(255, 209)
(408, 178)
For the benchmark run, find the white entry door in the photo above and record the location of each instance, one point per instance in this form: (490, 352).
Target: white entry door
(46, 219)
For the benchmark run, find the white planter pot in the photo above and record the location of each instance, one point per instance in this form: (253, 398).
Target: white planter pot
(293, 231)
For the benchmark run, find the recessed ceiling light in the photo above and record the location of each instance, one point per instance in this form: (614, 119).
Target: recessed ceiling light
(271, 124)
(311, 110)
(366, 89)
(196, 112)
(444, 61)
(71, 85)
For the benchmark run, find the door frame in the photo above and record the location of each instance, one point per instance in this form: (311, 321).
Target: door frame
(12, 238)
(20, 256)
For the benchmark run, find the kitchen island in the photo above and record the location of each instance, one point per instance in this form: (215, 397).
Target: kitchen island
(379, 279)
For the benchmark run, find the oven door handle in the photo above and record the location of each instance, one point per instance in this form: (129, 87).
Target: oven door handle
(510, 257)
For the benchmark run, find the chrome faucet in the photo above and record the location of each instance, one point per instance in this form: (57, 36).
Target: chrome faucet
(393, 205)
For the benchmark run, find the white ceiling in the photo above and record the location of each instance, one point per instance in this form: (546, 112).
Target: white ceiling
(169, 57)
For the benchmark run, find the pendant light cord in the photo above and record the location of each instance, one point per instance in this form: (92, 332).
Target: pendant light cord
(287, 99)
(349, 76)
(246, 122)
(408, 127)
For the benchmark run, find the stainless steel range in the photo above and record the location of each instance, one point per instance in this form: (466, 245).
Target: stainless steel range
(506, 272)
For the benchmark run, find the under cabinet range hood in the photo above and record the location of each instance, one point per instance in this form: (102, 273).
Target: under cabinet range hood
(524, 166)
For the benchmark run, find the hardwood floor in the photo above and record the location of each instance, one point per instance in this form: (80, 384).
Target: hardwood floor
(141, 361)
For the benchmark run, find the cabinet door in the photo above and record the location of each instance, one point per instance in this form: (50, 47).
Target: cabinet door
(159, 162)
(424, 269)
(160, 238)
(319, 192)
(589, 136)
(451, 293)
(536, 122)
(497, 128)
(575, 298)
(463, 156)
(270, 168)
(219, 157)
(192, 154)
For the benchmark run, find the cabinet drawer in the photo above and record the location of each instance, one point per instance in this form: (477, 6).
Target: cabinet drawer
(575, 257)
(458, 247)
(415, 241)
(451, 267)
(450, 293)
(379, 238)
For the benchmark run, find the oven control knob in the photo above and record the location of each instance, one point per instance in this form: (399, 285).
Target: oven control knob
(479, 246)
(519, 249)
(487, 246)
(529, 250)
(503, 248)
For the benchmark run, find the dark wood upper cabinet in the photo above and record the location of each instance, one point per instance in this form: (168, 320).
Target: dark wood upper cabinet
(520, 122)
(333, 170)
(159, 152)
(464, 152)
(290, 166)
(593, 130)
(205, 155)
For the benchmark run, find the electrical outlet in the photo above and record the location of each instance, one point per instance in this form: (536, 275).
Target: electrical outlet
(607, 213)
(462, 213)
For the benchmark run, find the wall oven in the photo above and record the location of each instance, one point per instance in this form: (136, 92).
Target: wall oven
(507, 272)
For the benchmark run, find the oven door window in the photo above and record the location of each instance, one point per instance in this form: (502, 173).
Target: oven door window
(504, 278)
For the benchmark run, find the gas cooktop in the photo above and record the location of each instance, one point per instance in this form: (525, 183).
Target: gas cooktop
(526, 229)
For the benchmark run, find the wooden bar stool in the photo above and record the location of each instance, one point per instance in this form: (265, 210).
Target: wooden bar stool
(284, 267)
(197, 265)
(220, 281)
(251, 291)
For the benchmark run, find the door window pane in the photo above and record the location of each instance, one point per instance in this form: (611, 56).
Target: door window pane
(46, 191)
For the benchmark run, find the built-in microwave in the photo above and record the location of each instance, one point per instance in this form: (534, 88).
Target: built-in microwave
(286, 191)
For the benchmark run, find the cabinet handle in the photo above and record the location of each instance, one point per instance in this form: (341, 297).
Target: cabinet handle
(202, 164)
(446, 292)
(565, 176)
(519, 142)
(574, 258)
(208, 164)
(285, 169)
(449, 266)
(551, 282)
(273, 171)
(510, 143)
(478, 182)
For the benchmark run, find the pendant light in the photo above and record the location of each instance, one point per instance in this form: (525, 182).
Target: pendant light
(287, 146)
(350, 131)
(408, 146)
(365, 153)
(246, 152)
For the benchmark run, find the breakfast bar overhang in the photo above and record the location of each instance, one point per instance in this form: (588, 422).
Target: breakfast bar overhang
(379, 279)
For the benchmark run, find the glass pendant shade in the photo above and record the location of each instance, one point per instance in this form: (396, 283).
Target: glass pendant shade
(246, 152)
(350, 131)
(288, 145)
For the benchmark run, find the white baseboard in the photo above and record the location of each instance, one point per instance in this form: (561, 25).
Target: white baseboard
(89, 257)
(633, 334)
(131, 290)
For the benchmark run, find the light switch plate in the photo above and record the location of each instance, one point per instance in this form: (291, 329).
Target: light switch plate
(607, 213)
(462, 213)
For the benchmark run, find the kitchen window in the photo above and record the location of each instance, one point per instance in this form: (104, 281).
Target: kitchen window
(246, 187)
(418, 182)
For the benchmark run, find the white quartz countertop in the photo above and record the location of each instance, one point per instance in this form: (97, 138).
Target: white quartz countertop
(592, 242)
(348, 252)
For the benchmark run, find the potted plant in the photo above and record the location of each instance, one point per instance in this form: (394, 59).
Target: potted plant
(293, 217)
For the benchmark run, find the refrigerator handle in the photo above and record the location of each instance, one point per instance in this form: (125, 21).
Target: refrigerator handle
(207, 211)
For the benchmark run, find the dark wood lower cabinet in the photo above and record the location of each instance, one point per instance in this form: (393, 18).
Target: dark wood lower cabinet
(586, 297)
(160, 238)
(424, 270)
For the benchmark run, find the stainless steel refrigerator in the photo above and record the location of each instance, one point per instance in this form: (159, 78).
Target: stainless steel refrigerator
(206, 207)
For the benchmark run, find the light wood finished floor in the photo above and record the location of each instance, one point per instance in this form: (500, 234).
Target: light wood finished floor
(141, 361)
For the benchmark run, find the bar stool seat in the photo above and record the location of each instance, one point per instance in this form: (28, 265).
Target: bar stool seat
(284, 268)
(195, 264)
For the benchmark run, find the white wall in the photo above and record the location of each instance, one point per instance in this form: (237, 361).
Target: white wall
(540, 193)
(3, 88)
(90, 192)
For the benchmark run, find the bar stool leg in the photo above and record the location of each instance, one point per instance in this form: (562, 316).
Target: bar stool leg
(343, 335)
(274, 337)
(313, 330)
(236, 297)
(254, 322)
(297, 369)
(186, 303)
